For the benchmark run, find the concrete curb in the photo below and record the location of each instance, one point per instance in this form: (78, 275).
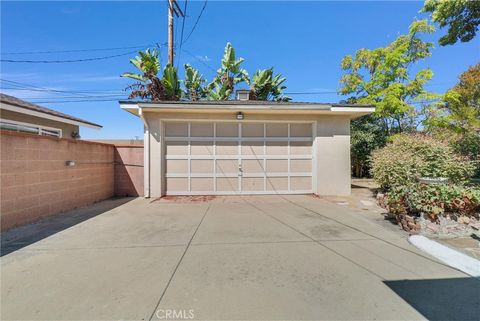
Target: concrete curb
(453, 258)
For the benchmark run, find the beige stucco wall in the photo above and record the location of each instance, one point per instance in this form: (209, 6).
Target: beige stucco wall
(67, 129)
(331, 145)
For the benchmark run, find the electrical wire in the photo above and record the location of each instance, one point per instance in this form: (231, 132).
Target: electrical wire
(181, 34)
(196, 22)
(67, 61)
(73, 50)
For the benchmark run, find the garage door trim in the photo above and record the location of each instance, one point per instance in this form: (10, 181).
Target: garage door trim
(188, 139)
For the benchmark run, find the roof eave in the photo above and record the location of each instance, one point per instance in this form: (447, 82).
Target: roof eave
(27, 111)
(318, 109)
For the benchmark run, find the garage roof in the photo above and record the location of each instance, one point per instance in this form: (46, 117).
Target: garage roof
(257, 106)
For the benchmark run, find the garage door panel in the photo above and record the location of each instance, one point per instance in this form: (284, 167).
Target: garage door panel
(177, 184)
(277, 130)
(227, 148)
(301, 148)
(176, 166)
(176, 129)
(227, 184)
(252, 184)
(176, 148)
(252, 166)
(252, 148)
(277, 166)
(201, 129)
(227, 166)
(277, 148)
(300, 130)
(252, 130)
(201, 166)
(227, 130)
(300, 165)
(202, 184)
(201, 148)
(301, 183)
(277, 184)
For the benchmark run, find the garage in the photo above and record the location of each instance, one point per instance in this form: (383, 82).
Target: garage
(243, 147)
(210, 158)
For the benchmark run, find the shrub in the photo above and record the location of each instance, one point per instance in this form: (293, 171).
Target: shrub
(411, 156)
(433, 200)
(469, 146)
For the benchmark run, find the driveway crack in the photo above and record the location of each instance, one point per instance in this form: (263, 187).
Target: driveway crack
(178, 263)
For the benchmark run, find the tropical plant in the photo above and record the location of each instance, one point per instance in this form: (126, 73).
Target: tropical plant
(149, 85)
(461, 16)
(266, 86)
(381, 77)
(193, 84)
(228, 75)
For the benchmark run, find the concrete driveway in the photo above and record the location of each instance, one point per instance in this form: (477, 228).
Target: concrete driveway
(262, 257)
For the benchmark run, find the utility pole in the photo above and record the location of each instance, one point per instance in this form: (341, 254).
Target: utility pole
(173, 8)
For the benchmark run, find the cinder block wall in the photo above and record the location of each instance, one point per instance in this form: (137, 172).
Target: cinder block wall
(128, 170)
(35, 182)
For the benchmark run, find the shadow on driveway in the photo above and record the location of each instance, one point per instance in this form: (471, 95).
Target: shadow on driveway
(22, 236)
(441, 299)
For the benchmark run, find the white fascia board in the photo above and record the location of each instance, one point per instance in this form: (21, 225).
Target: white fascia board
(363, 110)
(46, 116)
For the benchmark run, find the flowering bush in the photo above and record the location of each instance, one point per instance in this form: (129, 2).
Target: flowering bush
(409, 157)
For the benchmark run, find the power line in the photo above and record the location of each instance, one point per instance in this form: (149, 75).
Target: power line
(28, 86)
(196, 22)
(66, 61)
(75, 101)
(181, 34)
(73, 50)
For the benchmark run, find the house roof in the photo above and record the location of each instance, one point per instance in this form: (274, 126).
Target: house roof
(253, 106)
(40, 111)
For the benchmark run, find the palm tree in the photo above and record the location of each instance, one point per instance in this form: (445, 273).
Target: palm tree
(228, 75)
(266, 86)
(193, 84)
(149, 85)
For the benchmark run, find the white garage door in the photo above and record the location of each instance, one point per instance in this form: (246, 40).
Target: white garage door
(205, 158)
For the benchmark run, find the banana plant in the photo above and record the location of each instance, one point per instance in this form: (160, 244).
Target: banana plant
(228, 75)
(148, 85)
(266, 86)
(193, 84)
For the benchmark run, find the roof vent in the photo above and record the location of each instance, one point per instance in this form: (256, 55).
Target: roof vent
(243, 94)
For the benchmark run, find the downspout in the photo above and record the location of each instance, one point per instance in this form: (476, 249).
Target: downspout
(146, 155)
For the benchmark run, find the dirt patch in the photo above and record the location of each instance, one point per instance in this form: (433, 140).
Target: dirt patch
(185, 199)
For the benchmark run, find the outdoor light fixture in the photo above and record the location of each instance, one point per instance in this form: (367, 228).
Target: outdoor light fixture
(240, 116)
(69, 163)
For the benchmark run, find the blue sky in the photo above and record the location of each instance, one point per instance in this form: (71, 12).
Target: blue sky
(305, 41)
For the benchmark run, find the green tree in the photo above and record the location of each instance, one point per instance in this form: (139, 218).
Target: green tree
(228, 75)
(367, 135)
(149, 85)
(459, 109)
(193, 84)
(382, 77)
(461, 16)
(266, 86)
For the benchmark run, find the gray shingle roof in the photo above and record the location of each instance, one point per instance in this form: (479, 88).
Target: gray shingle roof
(27, 105)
